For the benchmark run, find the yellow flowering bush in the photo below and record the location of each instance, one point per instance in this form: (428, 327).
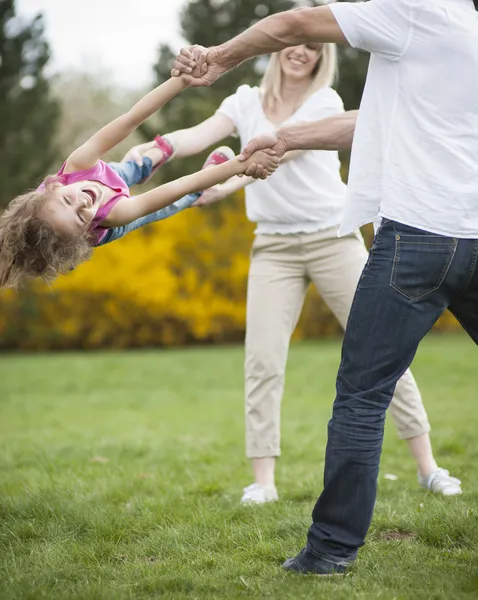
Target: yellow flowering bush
(178, 281)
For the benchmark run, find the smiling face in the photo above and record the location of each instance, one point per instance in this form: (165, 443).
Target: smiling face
(300, 62)
(71, 208)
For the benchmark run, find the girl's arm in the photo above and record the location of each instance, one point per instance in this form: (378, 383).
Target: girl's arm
(115, 132)
(129, 209)
(223, 190)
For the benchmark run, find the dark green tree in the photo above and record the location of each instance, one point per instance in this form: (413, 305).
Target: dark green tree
(28, 112)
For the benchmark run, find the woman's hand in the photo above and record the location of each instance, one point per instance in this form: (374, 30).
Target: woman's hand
(213, 194)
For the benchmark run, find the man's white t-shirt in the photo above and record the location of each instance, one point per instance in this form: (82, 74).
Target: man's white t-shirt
(305, 194)
(415, 150)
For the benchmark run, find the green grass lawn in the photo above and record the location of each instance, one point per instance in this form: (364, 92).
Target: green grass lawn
(120, 478)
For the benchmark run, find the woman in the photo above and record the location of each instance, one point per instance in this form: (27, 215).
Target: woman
(298, 212)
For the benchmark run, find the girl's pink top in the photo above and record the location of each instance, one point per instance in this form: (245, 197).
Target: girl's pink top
(104, 174)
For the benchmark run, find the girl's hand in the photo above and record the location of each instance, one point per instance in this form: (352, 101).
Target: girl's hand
(261, 164)
(212, 195)
(190, 64)
(199, 66)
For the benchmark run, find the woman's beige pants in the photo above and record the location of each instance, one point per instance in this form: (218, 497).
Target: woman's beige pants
(282, 267)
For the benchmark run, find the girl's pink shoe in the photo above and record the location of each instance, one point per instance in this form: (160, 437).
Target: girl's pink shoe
(219, 156)
(168, 152)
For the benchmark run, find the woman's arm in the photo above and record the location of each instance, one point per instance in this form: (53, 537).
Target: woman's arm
(187, 142)
(115, 132)
(128, 210)
(218, 192)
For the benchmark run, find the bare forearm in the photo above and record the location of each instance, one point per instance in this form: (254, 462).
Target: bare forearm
(164, 195)
(201, 180)
(115, 132)
(152, 102)
(237, 183)
(282, 30)
(187, 142)
(333, 133)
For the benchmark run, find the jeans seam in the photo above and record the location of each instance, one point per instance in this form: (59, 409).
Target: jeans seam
(443, 274)
(472, 271)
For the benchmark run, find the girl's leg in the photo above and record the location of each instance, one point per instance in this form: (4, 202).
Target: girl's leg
(276, 291)
(334, 266)
(132, 173)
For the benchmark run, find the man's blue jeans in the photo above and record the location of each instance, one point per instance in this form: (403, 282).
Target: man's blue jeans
(132, 174)
(411, 277)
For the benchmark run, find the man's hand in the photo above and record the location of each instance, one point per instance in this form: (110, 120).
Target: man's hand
(263, 142)
(266, 141)
(198, 66)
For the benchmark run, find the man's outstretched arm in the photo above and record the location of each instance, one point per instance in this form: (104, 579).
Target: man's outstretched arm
(332, 133)
(289, 28)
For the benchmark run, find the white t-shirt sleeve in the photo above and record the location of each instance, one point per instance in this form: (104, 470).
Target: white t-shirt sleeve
(378, 26)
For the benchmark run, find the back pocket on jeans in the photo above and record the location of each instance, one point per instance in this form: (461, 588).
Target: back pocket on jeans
(420, 264)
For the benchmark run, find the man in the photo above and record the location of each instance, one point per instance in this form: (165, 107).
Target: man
(414, 167)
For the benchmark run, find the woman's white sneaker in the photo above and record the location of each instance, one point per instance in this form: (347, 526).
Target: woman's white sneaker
(259, 494)
(441, 482)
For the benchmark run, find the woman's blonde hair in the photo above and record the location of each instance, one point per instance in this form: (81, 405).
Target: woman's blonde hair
(323, 75)
(30, 247)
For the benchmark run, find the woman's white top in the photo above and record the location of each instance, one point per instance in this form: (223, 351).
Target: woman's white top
(305, 194)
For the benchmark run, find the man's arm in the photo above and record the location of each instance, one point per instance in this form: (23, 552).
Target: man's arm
(279, 31)
(332, 133)
(289, 28)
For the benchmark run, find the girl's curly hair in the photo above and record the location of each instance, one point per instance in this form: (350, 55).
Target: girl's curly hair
(30, 247)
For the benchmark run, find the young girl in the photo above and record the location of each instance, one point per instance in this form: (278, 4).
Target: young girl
(141, 169)
(51, 230)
